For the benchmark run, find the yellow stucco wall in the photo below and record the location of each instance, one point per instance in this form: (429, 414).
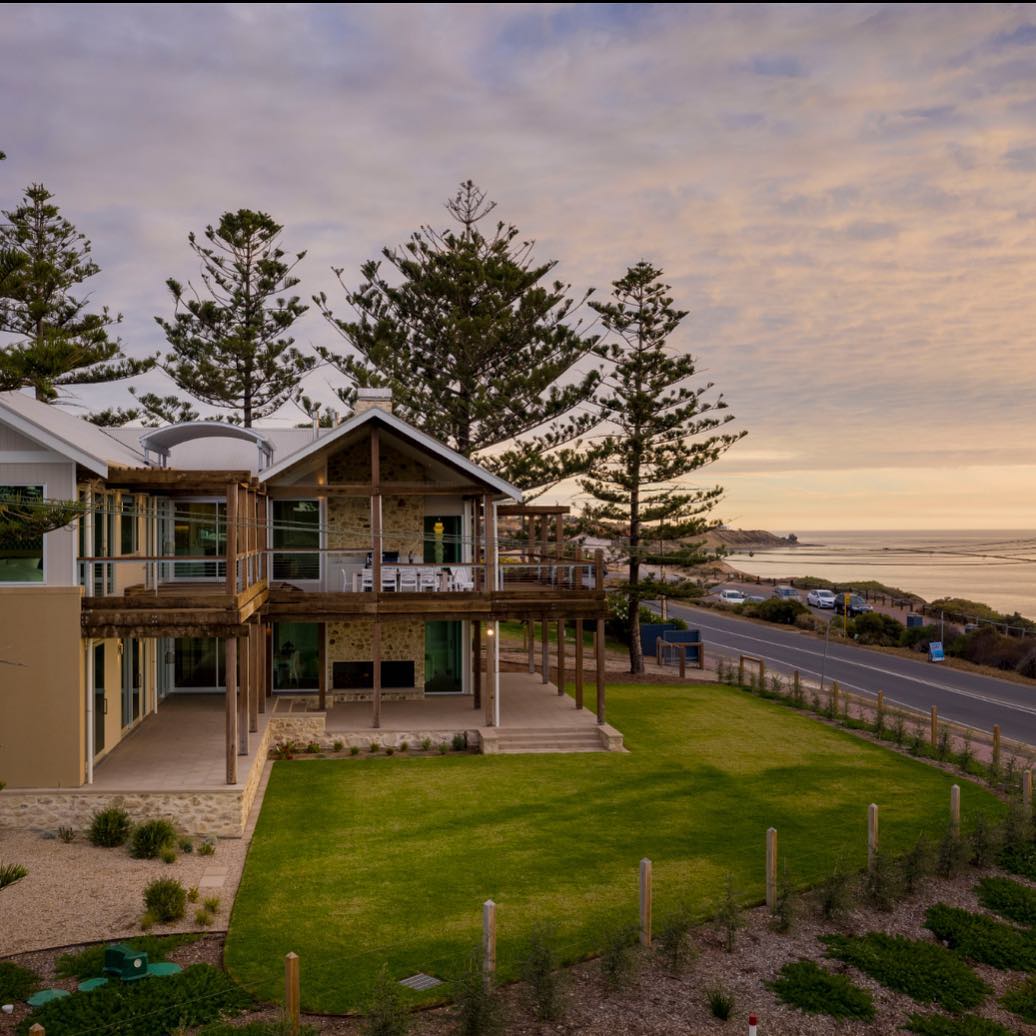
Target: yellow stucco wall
(42, 741)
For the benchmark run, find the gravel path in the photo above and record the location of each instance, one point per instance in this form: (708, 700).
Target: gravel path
(77, 893)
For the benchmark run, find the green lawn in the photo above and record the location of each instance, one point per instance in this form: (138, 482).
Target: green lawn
(358, 863)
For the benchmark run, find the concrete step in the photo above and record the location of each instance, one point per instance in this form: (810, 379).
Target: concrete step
(513, 742)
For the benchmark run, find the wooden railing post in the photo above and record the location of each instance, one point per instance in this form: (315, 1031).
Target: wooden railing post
(683, 661)
(291, 991)
(645, 902)
(599, 645)
(231, 562)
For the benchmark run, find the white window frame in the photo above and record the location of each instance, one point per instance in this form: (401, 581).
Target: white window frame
(43, 582)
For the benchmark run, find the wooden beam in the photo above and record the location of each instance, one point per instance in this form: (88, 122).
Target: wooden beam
(476, 546)
(521, 510)
(376, 659)
(490, 544)
(230, 666)
(599, 644)
(476, 665)
(231, 562)
(172, 478)
(264, 666)
(376, 544)
(321, 490)
(242, 696)
(322, 663)
(253, 678)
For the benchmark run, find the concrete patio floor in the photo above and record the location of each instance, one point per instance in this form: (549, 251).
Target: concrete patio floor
(181, 747)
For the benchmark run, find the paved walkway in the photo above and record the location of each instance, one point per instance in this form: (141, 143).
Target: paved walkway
(182, 747)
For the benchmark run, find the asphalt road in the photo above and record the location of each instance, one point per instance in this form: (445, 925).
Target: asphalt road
(973, 700)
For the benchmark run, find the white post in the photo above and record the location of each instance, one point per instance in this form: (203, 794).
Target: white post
(955, 810)
(494, 661)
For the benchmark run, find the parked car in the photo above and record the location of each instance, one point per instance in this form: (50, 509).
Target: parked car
(857, 605)
(821, 598)
(731, 596)
(755, 598)
(787, 593)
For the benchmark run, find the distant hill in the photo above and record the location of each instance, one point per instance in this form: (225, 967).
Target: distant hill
(751, 539)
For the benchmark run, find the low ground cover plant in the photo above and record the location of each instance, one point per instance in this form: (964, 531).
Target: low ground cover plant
(721, 1003)
(10, 873)
(1021, 999)
(151, 838)
(16, 982)
(809, 987)
(1008, 898)
(965, 1025)
(929, 973)
(150, 1007)
(109, 827)
(982, 939)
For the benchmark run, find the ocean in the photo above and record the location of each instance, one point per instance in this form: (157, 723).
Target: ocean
(996, 567)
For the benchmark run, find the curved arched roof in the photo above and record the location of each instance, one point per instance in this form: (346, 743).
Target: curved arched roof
(162, 440)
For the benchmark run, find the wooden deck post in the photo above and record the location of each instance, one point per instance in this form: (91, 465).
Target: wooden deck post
(600, 670)
(253, 678)
(322, 665)
(492, 696)
(230, 665)
(544, 650)
(291, 991)
(476, 665)
(376, 673)
(530, 643)
(231, 562)
(560, 633)
(242, 695)
(490, 545)
(264, 666)
(579, 663)
(376, 544)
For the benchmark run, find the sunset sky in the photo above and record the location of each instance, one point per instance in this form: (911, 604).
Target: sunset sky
(843, 196)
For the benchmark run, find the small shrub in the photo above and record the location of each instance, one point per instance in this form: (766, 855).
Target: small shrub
(16, 982)
(729, 916)
(882, 883)
(835, 895)
(619, 957)
(1021, 999)
(1020, 860)
(916, 744)
(721, 1003)
(387, 1013)
(186, 845)
(898, 730)
(981, 939)
(478, 1008)
(923, 970)
(785, 908)
(10, 873)
(966, 756)
(674, 940)
(541, 971)
(147, 921)
(983, 842)
(148, 840)
(460, 742)
(202, 918)
(942, 748)
(312, 748)
(809, 987)
(207, 848)
(374, 747)
(211, 904)
(168, 855)
(285, 749)
(916, 864)
(166, 898)
(109, 827)
(952, 855)
(66, 834)
(443, 748)
(354, 749)
(403, 746)
(965, 1025)
(192, 894)
(1008, 898)
(426, 744)
(390, 750)
(338, 745)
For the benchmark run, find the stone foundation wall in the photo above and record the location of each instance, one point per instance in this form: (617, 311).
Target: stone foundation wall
(400, 642)
(298, 726)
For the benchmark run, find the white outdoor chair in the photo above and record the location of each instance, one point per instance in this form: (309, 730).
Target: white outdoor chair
(461, 581)
(389, 579)
(427, 579)
(408, 580)
(367, 580)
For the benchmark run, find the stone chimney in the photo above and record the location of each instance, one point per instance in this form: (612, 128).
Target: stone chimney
(371, 398)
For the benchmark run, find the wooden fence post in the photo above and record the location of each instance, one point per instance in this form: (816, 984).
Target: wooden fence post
(37, 1030)
(683, 661)
(935, 726)
(872, 836)
(488, 942)
(291, 991)
(996, 747)
(658, 650)
(645, 902)
(834, 698)
(797, 685)
(762, 674)
(955, 810)
(1027, 791)
(741, 671)
(879, 719)
(771, 868)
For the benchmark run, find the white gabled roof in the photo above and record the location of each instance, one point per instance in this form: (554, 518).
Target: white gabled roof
(64, 433)
(405, 431)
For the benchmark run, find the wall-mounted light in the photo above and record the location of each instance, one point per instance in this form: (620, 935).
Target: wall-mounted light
(490, 632)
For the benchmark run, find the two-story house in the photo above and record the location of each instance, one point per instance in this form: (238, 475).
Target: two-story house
(223, 588)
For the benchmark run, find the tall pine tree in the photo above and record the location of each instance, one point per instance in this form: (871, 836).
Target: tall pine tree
(479, 347)
(57, 342)
(231, 348)
(658, 429)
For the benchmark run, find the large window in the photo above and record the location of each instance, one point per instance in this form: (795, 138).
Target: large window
(296, 656)
(128, 526)
(200, 531)
(296, 523)
(21, 561)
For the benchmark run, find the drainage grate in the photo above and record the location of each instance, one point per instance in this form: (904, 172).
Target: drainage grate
(421, 981)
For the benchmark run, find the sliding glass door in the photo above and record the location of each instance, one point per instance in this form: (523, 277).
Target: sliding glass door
(199, 532)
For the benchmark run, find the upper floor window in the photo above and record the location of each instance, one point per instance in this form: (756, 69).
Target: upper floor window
(128, 526)
(22, 555)
(296, 523)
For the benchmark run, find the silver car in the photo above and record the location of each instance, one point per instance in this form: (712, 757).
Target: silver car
(821, 598)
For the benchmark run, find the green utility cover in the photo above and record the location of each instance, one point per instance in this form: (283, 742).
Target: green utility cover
(124, 962)
(91, 984)
(163, 968)
(44, 996)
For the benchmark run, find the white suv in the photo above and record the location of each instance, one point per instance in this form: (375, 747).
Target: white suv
(733, 597)
(821, 598)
